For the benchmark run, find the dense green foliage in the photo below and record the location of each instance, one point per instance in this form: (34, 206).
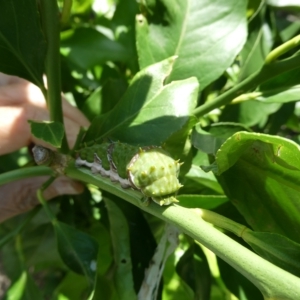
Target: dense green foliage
(215, 83)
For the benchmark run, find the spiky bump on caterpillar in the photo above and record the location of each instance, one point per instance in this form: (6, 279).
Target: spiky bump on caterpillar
(150, 169)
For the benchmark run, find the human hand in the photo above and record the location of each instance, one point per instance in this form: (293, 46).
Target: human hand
(21, 101)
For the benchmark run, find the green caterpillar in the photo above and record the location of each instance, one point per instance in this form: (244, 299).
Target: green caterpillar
(150, 170)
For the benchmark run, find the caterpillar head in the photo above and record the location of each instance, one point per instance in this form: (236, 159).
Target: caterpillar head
(155, 173)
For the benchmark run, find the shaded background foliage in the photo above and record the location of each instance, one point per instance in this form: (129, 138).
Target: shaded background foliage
(139, 71)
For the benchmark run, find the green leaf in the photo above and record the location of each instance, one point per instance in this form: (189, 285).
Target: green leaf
(280, 89)
(260, 175)
(249, 113)
(179, 145)
(198, 32)
(283, 3)
(69, 290)
(105, 256)
(279, 94)
(121, 246)
(210, 139)
(149, 112)
(77, 250)
(49, 132)
(17, 228)
(259, 44)
(201, 201)
(174, 286)
(104, 98)
(197, 181)
(142, 242)
(86, 47)
(239, 285)
(194, 270)
(123, 23)
(276, 248)
(24, 288)
(290, 30)
(22, 44)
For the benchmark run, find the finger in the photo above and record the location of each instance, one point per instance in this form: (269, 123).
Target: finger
(18, 92)
(9, 79)
(74, 114)
(20, 196)
(15, 130)
(26, 92)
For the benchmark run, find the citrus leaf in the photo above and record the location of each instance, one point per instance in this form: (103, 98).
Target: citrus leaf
(149, 112)
(260, 174)
(210, 139)
(283, 3)
(259, 44)
(49, 132)
(24, 288)
(198, 32)
(201, 201)
(86, 47)
(77, 250)
(281, 89)
(22, 44)
(279, 95)
(276, 248)
(193, 268)
(121, 246)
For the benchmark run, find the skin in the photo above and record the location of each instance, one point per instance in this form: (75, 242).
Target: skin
(21, 101)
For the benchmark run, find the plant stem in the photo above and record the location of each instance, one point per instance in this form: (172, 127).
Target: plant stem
(25, 173)
(41, 199)
(19, 250)
(50, 18)
(65, 14)
(272, 281)
(273, 55)
(222, 222)
(267, 72)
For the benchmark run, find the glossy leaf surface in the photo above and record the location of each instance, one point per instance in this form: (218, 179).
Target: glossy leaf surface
(49, 132)
(197, 32)
(276, 248)
(22, 44)
(260, 175)
(149, 112)
(78, 250)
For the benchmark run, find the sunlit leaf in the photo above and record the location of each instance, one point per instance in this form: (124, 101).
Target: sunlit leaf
(260, 175)
(149, 112)
(276, 248)
(259, 44)
(205, 35)
(49, 132)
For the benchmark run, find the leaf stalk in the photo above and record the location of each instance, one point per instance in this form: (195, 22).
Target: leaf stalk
(50, 19)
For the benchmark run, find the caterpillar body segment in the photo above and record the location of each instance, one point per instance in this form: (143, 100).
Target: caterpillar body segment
(150, 170)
